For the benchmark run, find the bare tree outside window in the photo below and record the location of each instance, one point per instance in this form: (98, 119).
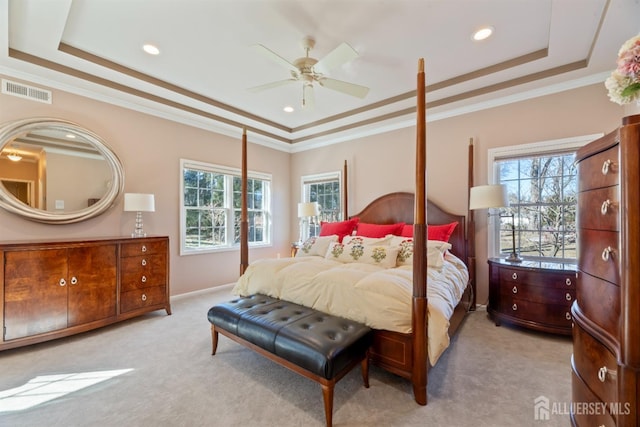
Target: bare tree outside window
(543, 198)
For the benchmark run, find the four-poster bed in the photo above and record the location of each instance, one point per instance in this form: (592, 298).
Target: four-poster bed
(406, 353)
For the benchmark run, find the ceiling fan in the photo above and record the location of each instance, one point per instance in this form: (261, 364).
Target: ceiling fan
(310, 70)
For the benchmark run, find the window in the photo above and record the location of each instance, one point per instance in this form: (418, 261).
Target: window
(542, 186)
(210, 210)
(326, 190)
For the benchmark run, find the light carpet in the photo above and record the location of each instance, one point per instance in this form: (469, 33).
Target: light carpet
(489, 376)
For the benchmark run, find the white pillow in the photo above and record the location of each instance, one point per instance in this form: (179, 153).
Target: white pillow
(382, 255)
(316, 246)
(435, 251)
(367, 240)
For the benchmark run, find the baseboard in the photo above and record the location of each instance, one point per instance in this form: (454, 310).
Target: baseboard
(227, 287)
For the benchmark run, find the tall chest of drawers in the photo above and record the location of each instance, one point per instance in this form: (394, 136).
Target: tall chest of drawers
(531, 294)
(606, 313)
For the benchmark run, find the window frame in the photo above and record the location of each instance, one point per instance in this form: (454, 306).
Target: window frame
(305, 195)
(540, 148)
(230, 173)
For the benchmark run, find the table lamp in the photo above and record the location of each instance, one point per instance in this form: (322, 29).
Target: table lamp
(138, 202)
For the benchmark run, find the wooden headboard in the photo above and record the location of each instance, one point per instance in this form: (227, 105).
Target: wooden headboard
(399, 207)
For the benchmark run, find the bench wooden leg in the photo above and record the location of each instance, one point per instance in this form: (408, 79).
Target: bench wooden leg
(327, 394)
(214, 340)
(365, 370)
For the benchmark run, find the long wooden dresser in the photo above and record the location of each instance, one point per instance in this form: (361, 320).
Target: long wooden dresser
(52, 289)
(606, 313)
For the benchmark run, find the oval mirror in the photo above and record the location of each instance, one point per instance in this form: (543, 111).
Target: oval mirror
(54, 171)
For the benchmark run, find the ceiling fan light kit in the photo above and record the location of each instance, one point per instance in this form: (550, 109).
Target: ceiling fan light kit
(310, 70)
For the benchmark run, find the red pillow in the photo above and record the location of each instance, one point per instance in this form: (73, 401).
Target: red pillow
(341, 228)
(378, 230)
(441, 232)
(407, 230)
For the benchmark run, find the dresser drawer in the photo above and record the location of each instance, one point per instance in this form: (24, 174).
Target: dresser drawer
(142, 272)
(599, 254)
(595, 364)
(587, 409)
(544, 278)
(600, 170)
(145, 247)
(538, 293)
(139, 298)
(600, 209)
(599, 300)
(550, 314)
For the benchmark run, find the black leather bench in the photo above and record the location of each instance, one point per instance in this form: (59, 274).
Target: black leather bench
(319, 346)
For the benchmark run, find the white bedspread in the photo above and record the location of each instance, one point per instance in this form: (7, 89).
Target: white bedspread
(380, 298)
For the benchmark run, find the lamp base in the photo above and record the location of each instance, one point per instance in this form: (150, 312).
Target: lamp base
(138, 232)
(513, 258)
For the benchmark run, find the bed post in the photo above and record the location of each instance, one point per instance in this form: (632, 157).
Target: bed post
(471, 232)
(419, 308)
(345, 190)
(244, 223)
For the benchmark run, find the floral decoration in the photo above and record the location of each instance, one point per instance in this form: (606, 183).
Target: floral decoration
(624, 82)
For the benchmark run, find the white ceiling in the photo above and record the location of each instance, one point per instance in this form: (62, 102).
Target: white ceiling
(207, 63)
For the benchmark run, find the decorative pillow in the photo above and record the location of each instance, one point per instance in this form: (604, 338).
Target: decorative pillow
(368, 240)
(383, 256)
(341, 228)
(435, 251)
(316, 246)
(378, 230)
(441, 232)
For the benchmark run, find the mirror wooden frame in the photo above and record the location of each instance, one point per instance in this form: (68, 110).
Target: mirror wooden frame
(9, 131)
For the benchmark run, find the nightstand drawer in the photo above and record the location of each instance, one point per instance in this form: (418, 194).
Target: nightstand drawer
(600, 170)
(546, 279)
(599, 300)
(600, 209)
(600, 254)
(595, 365)
(140, 298)
(538, 294)
(549, 314)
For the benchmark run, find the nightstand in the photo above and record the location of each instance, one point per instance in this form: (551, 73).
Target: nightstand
(532, 294)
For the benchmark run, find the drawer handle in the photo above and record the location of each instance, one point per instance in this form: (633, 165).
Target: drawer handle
(514, 307)
(144, 297)
(144, 262)
(607, 166)
(74, 280)
(568, 281)
(604, 371)
(605, 207)
(567, 315)
(514, 276)
(607, 253)
(62, 282)
(144, 279)
(144, 248)
(514, 290)
(568, 296)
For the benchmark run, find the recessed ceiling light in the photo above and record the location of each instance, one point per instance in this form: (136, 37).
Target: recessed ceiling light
(70, 136)
(482, 34)
(151, 49)
(288, 109)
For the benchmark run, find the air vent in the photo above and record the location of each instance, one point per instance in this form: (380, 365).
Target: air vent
(24, 91)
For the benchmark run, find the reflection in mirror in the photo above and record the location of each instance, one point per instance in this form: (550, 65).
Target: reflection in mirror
(54, 171)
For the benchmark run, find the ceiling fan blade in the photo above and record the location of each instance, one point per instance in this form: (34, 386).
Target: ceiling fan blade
(269, 54)
(308, 97)
(344, 87)
(271, 85)
(338, 56)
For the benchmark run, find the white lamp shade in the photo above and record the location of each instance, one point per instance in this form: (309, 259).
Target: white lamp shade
(488, 196)
(308, 209)
(138, 202)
